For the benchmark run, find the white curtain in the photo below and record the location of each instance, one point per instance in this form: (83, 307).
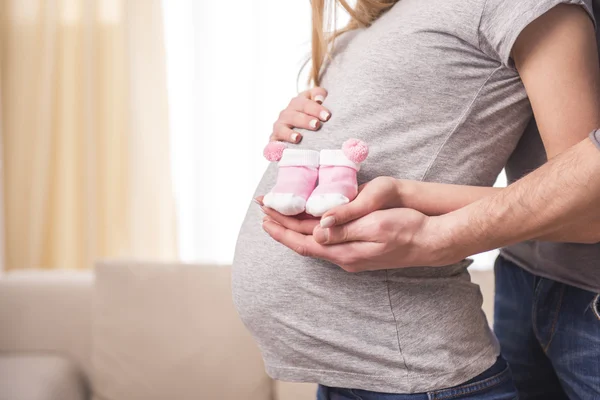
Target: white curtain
(2, 221)
(85, 140)
(232, 67)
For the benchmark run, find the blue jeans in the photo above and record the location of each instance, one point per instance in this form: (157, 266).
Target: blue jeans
(494, 384)
(549, 333)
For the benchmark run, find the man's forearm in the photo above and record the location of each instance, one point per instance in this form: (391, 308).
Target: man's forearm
(551, 203)
(584, 231)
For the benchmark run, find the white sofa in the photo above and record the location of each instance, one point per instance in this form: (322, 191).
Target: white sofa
(134, 331)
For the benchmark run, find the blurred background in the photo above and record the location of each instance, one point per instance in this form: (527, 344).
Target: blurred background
(123, 125)
(125, 122)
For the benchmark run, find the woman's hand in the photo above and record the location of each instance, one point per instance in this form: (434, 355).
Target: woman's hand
(429, 198)
(304, 111)
(381, 193)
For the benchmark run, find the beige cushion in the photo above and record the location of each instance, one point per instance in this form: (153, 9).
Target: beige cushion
(171, 332)
(40, 377)
(485, 280)
(47, 311)
(295, 391)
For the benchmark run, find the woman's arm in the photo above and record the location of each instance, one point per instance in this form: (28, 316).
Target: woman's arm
(557, 59)
(439, 198)
(383, 193)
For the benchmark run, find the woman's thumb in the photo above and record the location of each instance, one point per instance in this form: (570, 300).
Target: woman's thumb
(343, 214)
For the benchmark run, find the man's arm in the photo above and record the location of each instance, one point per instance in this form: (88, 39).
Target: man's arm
(566, 107)
(559, 201)
(557, 59)
(563, 193)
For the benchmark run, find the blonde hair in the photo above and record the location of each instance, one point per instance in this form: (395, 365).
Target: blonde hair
(323, 17)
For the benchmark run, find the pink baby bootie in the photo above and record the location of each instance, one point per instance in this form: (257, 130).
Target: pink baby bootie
(296, 178)
(337, 177)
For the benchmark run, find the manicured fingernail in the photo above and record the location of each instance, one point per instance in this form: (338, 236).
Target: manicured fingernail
(324, 115)
(322, 235)
(319, 99)
(313, 123)
(327, 222)
(265, 224)
(295, 137)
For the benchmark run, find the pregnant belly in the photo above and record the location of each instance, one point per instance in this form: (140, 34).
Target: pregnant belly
(309, 314)
(297, 307)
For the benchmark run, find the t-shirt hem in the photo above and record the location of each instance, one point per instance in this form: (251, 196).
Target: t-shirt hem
(595, 138)
(404, 383)
(527, 267)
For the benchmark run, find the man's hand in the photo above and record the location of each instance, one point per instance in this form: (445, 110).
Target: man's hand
(380, 229)
(384, 239)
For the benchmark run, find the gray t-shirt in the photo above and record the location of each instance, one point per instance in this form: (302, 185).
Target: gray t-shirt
(571, 263)
(431, 87)
(595, 138)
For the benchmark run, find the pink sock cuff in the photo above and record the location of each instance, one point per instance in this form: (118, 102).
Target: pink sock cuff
(299, 158)
(337, 158)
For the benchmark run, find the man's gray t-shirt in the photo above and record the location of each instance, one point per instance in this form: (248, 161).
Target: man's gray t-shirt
(574, 264)
(431, 87)
(571, 263)
(595, 138)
